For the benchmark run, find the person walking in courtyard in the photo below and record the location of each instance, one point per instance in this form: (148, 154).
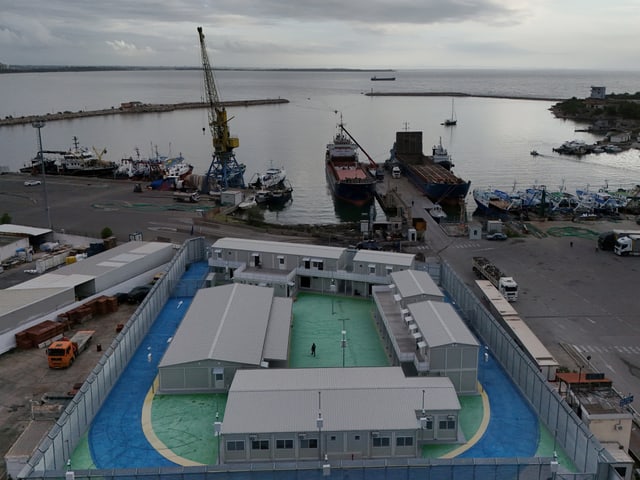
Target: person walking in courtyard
(313, 349)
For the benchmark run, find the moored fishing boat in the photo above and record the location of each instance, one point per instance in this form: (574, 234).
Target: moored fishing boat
(80, 161)
(348, 178)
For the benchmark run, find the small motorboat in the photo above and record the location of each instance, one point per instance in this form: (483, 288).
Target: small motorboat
(534, 153)
(248, 203)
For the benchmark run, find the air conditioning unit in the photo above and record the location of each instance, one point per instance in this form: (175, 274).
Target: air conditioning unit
(253, 438)
(451, 417)
(618, 426)
(302, 436)
(375, 434)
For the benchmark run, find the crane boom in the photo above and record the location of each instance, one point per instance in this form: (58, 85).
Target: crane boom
(224, 167)
(372, 163)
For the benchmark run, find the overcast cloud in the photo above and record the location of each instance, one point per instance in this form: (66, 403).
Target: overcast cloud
(324, 33)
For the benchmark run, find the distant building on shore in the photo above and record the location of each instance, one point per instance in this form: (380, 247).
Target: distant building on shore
(599, 93)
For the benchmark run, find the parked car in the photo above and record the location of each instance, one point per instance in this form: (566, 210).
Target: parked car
(31, 183)
(137, 294)
(496, 236)
(368, 245)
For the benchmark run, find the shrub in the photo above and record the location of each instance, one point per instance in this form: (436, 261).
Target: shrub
(106, 233)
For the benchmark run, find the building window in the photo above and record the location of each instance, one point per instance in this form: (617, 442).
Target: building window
(307, 263)
(319, 264)
(448, 424)
(429, 424)
(260, 445)
(235, 445)
(284, 444)
(356, 437)
(389, 269)
(309, 443)
(381, 441)
(280, 259)
(218, 253)
(372, 269)
(404, 441)
(333, 438)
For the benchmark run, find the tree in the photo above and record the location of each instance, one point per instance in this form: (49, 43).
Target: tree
(106, 233)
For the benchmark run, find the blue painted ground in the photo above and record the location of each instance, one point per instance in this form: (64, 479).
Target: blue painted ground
(116, 439)
(513, 427)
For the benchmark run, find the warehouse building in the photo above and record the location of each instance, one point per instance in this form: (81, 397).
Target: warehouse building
(340, 413)
(227, 328)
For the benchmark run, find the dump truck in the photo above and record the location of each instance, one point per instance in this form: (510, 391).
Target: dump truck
(507, 286)
(62, 353)
(629, 245)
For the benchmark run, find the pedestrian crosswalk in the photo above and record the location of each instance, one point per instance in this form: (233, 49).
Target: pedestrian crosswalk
(460, 245)
(626, 349)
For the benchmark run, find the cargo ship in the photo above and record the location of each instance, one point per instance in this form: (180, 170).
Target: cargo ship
(432, 175)
(349, 179)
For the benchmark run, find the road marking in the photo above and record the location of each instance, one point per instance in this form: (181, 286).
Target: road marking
(610, 367)
(591, 320)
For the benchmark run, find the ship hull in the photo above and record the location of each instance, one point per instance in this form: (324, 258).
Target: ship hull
(356, 193)
(438, 184)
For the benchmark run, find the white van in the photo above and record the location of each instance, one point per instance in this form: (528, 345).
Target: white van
(395, 172)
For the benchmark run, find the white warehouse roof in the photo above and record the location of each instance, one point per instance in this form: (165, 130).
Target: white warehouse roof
(411, 283)
(227, 323)
(282, 248)
(380, 256)
(440, 324)
(287, 400)
(9, 228)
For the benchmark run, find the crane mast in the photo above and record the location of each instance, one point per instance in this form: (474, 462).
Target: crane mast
(224, 170)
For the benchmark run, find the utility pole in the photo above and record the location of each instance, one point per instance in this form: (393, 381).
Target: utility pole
(39, 124)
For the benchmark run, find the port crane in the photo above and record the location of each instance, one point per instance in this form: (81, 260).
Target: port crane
(224, 170)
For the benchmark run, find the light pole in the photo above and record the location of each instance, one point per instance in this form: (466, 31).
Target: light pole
(343, 344)
(39, 125)
(332, 289)
(217, 427)
(319, 424)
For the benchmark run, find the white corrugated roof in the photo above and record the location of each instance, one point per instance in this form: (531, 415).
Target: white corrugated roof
(440, 324)
(413, 282)
(23, 229)
(282, 248)
(53, 280)
(226, 323)
(276, 345)
(388, 258)
(14, 298)
(262, 401)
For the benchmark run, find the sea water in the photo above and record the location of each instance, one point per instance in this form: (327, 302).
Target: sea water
(490, 145)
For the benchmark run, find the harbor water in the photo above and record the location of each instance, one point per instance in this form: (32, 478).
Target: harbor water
(490, 144)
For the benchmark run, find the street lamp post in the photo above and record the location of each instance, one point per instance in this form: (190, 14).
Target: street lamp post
(319, 424)
(343, 344)
(332, 289)
(39, 125)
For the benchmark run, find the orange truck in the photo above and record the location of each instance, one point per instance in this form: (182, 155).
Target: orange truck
(63, 352)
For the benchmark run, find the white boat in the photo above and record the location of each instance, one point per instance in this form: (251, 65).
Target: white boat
(270, 179)
(449, 122)
(437, 212)
(441, 156)
(248, 203)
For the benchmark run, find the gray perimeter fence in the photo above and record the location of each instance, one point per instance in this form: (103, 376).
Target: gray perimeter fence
(48, 462)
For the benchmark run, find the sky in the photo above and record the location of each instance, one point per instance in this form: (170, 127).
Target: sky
(367, 34)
